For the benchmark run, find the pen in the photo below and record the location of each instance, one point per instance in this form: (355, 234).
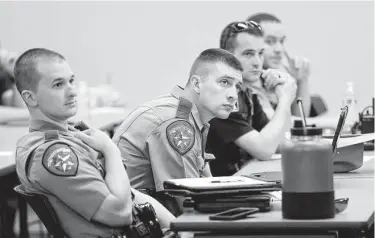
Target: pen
(340, 125)
(226, 181)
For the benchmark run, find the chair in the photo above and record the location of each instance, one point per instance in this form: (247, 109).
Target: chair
(318, 106)
(42, 207)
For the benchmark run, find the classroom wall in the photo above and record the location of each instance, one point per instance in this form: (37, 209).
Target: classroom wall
(147, 47)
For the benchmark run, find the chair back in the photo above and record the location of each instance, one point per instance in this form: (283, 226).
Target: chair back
(42, 207)
(318, 105)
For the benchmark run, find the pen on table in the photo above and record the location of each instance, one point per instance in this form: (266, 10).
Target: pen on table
(226, 181)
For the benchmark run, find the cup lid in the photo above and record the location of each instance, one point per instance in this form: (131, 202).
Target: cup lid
(310, 131)
(298, 124)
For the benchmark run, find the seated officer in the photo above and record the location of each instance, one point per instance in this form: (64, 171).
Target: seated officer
(81, 173)
(234, 140)
(276, 57)
(165, 138)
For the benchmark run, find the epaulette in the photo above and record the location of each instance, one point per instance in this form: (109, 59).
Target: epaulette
(184, 108)
(51, 135)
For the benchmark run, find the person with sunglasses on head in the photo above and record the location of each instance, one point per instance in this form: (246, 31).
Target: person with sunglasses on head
(80, 172)
(276, 57)
(248, 133)
(165, 138)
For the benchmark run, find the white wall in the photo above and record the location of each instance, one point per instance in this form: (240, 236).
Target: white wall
(149, 46)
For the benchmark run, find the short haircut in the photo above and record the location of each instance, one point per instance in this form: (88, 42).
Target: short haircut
(26, 73)
(229, 35)
(263, 17)
(215, 55)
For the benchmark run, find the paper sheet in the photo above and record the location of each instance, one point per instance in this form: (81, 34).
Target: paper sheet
(354, 140)
(218, 182)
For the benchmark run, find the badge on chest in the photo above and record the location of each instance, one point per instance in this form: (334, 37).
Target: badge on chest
(99, 163)
(98, 160)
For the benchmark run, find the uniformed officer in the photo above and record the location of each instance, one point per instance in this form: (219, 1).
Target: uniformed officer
(89, 191)
(165, 138)
(234, 141)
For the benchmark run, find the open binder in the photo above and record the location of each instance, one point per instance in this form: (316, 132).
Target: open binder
(216, 194)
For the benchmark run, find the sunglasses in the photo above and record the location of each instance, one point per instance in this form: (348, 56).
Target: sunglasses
(237, 27)
(341, 204)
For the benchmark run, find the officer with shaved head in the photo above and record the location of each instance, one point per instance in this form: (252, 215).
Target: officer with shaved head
(165, 138)
(88, 190)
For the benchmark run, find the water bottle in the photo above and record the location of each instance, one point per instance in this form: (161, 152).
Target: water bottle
(350, 101)
(307, 175)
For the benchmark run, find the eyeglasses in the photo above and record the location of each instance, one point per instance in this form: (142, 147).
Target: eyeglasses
(237, 27)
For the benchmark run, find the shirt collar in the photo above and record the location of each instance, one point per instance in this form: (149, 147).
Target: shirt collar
(42, 125)
(178, 92)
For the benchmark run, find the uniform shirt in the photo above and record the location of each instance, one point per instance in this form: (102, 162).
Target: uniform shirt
(68, 172)
(247, 115)
(157, 145)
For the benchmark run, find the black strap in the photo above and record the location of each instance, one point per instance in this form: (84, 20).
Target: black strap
(184, 108)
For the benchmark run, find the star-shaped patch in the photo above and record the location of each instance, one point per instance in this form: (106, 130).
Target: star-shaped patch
(181, 136)
(59, 159)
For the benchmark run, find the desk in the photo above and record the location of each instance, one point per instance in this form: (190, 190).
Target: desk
(102, 116)
(257, 166)
(359, 215)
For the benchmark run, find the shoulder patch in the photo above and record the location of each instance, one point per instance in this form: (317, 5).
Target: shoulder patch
(184, 108)
(59, 159)
(181, 136)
